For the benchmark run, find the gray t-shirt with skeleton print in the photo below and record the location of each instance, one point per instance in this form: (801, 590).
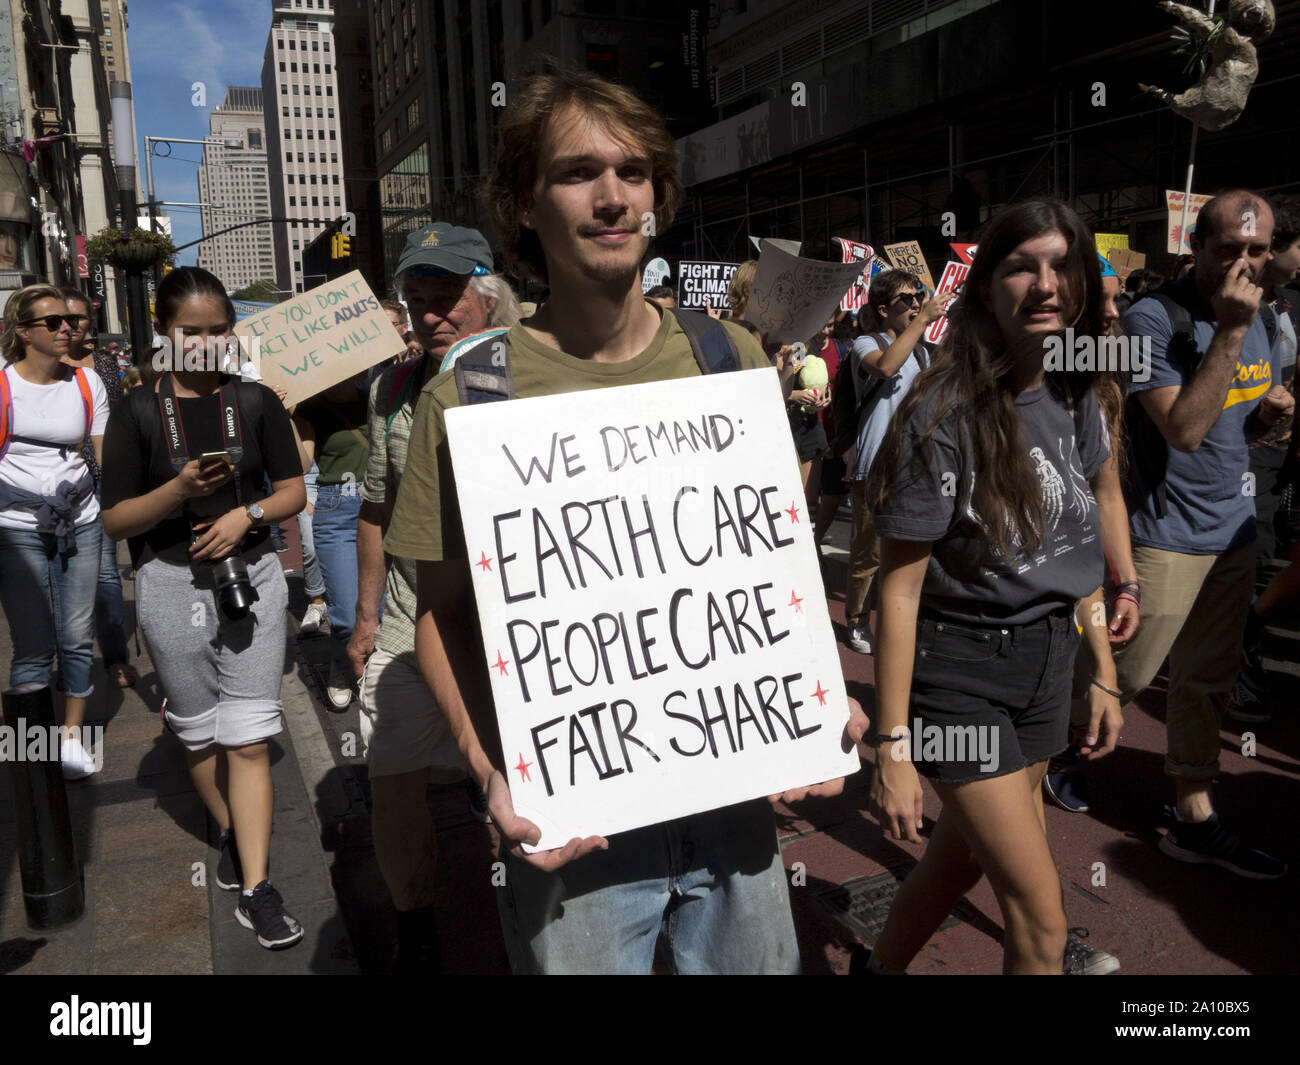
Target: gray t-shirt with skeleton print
(966, 579)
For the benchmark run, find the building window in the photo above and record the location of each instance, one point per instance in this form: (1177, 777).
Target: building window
(293, 201)
(332, 137)
(284, 111)
(311, 134)
(284, 89)
(329, 90)
(315, 201)
(297, 112)
(336, 202)
(293, 44)
(335, 179)
(325, 46)
(315, 68)
(282, 67)
(300, 157)
(315, 46)
(280, 44)
(327, 68)
(311, 157)
(313, 179)
(330, 112)
(295, 90)
(334, 157)
(318, 92)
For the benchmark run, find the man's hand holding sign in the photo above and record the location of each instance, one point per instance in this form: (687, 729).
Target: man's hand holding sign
(651, 609)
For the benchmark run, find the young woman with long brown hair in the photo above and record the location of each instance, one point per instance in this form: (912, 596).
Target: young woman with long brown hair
(991, 540)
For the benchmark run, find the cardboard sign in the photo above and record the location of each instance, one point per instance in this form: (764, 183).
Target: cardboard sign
(792, 297)
(1125, 261)
(907, 256)
(953, 275)
(1107, 242)
(703, 284)
(1180, 243)
(965, 253)
(651, 607)
(853, 251)
(328, 334)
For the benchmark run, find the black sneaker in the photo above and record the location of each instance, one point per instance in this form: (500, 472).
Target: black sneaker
(1083, 960)
(1064, 783)
(1211, 842)
(278, 542)
(478, 803)
(230, 876)
(1245, 702)
(263, 912)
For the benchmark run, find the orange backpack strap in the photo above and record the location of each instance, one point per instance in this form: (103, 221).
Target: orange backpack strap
(87, 399)
(6, 411)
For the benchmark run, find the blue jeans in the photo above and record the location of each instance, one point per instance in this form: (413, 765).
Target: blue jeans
(313, 582)
(334, 533)
(110, 610)
(49, 601)
(713, 884)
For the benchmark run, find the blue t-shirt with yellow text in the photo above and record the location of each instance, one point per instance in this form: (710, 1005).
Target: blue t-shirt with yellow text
(1209, 496)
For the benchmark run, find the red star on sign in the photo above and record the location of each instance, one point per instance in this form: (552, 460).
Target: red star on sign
(500, 664)
(821, 694)
(793, 511)
(484, 562)
(795, 602)
(523, 769)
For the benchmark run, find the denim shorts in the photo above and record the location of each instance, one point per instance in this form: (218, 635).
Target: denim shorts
(988, 700)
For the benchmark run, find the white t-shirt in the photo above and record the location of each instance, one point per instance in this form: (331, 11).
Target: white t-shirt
(871, 433)
(50, 412)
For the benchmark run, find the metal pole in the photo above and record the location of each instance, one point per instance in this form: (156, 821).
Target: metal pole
(124, 165)
(1187, 188)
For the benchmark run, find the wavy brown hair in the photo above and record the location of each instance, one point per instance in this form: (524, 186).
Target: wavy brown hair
(522, 132)
(17, 311)
(972, 372)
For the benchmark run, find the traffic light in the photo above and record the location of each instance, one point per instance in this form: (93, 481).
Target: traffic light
(340, 246)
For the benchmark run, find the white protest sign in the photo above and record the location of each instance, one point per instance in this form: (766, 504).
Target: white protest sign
(953, 275)
(328, 334)
(853, 251)
(654, 274)
(650, 602)
(792, 297)
(703, 284)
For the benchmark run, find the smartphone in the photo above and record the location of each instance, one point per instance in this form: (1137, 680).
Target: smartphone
(209, 458)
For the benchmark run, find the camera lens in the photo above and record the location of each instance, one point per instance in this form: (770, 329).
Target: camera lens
(235, 591)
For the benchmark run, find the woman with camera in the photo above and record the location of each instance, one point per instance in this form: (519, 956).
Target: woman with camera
(49, 529)
(184, 462)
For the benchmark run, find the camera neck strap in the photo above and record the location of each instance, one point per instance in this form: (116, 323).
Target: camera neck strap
(232, 436)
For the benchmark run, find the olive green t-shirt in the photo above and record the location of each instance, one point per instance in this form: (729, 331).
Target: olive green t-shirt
(426, 521)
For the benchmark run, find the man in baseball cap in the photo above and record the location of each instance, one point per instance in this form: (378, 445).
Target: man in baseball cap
(441, 248)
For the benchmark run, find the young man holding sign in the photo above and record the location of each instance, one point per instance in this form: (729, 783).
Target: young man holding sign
(584, 173)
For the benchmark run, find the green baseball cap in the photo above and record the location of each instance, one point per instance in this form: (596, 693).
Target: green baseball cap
(441, 247)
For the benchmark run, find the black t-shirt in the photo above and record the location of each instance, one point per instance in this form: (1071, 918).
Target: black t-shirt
(136, 462)
(967, 580)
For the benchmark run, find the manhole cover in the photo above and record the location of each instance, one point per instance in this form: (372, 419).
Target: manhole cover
(862, 904)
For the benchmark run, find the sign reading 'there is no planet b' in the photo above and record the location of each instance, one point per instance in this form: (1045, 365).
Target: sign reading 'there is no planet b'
(328, 334)
(650, 601)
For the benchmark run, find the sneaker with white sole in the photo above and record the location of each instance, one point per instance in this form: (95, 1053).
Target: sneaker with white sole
(1211, 842)
(859, 640)
(1083, 960)
(230, 875)
(316, 616)
(1245, 703)
(263, 911)
(339, 689)
(76, 760)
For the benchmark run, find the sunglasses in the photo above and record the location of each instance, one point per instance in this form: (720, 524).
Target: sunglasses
(908, 298)
(53, 321)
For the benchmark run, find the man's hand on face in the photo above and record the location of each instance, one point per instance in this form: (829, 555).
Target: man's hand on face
(1237, 301)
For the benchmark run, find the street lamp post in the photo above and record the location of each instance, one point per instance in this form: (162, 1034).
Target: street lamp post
(124, 167)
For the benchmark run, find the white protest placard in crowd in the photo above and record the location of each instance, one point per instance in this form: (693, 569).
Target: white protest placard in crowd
(854, 251)
(654, 273)
(1177, 243)
(328, 334)
(792, 297)
(953, 275)
(703, 284)
(649, 597)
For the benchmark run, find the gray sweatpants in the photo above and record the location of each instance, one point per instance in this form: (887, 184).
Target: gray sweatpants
(221, 677)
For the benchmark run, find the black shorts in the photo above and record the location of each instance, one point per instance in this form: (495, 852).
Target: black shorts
(989, 700)
(833, 471)
(809, 436)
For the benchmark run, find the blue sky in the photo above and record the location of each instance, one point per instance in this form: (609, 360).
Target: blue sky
(173, 45)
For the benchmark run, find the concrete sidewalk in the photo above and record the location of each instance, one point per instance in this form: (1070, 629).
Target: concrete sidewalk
(144, 839)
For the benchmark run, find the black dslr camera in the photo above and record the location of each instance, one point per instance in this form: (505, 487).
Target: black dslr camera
(235, 592)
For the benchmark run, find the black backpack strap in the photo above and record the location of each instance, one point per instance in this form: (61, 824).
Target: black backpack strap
(483, 373)
(1269, 318)
(710, 343)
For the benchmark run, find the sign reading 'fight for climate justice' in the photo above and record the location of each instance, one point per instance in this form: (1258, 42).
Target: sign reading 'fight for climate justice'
(650, 601)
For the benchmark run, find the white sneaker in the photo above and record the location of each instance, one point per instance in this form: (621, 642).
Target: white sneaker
(860, 640)
(339, 689)
(77, 763)
(316, 616)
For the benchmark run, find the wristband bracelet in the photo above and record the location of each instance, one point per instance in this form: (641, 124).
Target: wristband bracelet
(875, 739)
(1129, 595)
(1108, 691)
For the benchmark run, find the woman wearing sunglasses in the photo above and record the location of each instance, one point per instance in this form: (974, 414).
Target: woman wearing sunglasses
(49, 533)
(991, 540)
